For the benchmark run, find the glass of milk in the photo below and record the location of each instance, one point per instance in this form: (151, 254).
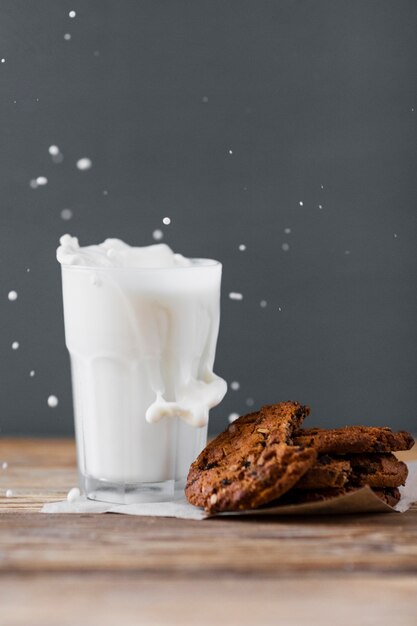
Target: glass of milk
(141, 327)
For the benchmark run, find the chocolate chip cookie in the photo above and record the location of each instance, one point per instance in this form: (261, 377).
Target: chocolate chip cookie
(251, 463)
(378, 470)
(390, 495)
(354, 439)
(375, 470)
(327, 472)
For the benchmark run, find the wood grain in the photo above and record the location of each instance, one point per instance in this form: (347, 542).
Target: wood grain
(134, 570)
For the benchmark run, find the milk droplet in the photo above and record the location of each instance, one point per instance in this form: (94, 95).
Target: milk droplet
(12, 295)
(301, 203)
(235, 385)
(157, 234)
(347, 251)
(32, 373)
(166, 221)
(233, 417)
(33, 183)
(285, 247)
(234, 295)
(72, 14)
(66, 214)
(15, 345)
(230, 151)
(41, 180)
(395, 237)
(105, 192)
(53, 150)
(263, 304)
(204, 99)
(73, 494)
(52, 401)
(84, 164)
(4, 465)
(250, 401)
(287, 231)
(67, 36)
(3, 60)
(320, 206)
(242, 247)
(9, 493)
(96, 53)
(321, 186)
(28, 269)
(279, 309)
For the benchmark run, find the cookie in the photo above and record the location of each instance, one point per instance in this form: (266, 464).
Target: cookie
(252, 462)
(378, 470)
(375, 470)
(390, 495)
(326, 472)
(354, 439)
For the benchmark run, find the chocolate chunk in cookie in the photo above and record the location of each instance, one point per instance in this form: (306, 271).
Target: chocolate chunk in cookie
(253, 462)
(354, 439)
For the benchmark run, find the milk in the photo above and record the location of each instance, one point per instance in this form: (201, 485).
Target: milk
(141, 327)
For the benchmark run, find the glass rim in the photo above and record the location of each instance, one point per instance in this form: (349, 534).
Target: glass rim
(197, 263)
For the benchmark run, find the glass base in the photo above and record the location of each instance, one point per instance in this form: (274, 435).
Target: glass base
(127, 493)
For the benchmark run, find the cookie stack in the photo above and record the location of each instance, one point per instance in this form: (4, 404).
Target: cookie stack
(267, 457)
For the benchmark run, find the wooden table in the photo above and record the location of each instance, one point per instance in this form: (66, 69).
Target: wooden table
(117, 570)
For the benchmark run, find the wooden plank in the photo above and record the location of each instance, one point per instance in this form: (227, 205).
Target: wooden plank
(151, 546)
(70, 600)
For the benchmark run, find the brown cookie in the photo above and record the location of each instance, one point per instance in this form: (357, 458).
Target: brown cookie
(327, 472)
(252, 462)
(378, 470)
(390, 495)
(354, 439)
(375, 470)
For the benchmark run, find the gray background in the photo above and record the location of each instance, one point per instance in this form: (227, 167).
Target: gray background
(317, 102)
